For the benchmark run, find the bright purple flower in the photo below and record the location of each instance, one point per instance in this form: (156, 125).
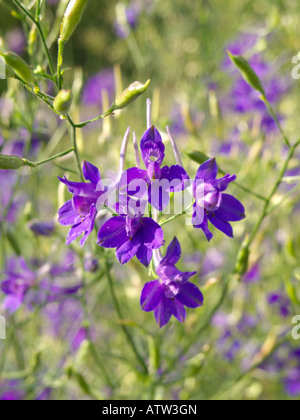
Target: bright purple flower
(172, 292)
(131, 236)
(156, 181)
(212, 204)
(80, 212)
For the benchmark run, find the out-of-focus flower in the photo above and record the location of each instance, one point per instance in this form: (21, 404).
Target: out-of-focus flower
(80, 212)
(15, 40)
(212, 204)
(280, 301)
(42, 228)
(172, 292)
(92, 92)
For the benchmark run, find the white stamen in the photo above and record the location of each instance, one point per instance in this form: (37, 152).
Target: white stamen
(123, 152)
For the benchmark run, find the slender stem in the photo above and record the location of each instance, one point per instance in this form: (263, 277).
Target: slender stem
(164, 222)
(124, 329)
(41, 33)
(274, 189)
(60, 58)
(41, 162)
(275, 118)
(100, 117)
(75, 148)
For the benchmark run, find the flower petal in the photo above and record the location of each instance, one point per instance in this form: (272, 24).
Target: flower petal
(177, 178)
(128, 250)
(144, 255)
(178, 311)
(203, 226)
(113, 234)
(230, 209)
(190, 295)
(91, 172)
(152, 147)
(151, 234)
(208, 170)
(173, 254)
(151, 296)
(222, 225)
(163, 311)
(67, 215)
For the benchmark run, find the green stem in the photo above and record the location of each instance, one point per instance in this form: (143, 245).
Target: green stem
(75, 148)
(164, 222)
(41, 162)
(275, 118)
(124, 329)
(60, 58)
(41, 33)
(100, 117)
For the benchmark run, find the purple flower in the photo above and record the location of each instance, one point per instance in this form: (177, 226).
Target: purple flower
(281, 302)
(17, 282)
(172, 292)
(156, 181)
(80, 212)
(212, 204)
(131, 236)
(42, 228)
(92, 92)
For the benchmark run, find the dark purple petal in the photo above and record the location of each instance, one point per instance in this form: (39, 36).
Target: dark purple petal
(208, 170)
(81, 188)
(91, 173)
(151, 234)
(190, 295)
(81, 205)
(158, 196)
(176, 176)
(67, 215)
(173, 253)
(144, 255)
(203, 226)
(163, 311)
(134, 182)
(178, 311)
(113, 234)
(225, 181)
(230, 210)
(222, 225)
(151, 296)
(152, 147)
(128, 250)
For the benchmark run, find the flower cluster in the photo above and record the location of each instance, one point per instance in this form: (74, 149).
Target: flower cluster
(137, 198)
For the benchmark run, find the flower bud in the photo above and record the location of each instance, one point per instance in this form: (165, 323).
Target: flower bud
(71, 19)
(130, 94)
(241, 265)
(247, 72)
(11, 162)
(63, 101)
(19, 66)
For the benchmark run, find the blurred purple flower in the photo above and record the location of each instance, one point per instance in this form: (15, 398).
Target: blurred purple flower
(15, 40)
(279, 300)
(92, 92)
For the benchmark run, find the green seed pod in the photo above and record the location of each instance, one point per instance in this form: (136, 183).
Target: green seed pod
(11, 162)
(19, 66)
(247, 72)
(71, 19)
(130, 94)
(63, 101)
(241, 265)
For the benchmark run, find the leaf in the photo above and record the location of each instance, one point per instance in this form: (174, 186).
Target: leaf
(247, 72)
(197, 157)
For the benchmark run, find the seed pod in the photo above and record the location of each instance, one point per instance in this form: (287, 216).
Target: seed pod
(247, 72)
(11, 162)
(19, 66)
(241, 265)
(62, 102)
(130, 94)
(71, 19)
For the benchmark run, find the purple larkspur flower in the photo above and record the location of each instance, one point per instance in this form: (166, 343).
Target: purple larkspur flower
(170, 294)
(80, 212)
(131, 236)
(279, 300)
(22, 285)
(212, 204)
(42, 228)
(156, 181)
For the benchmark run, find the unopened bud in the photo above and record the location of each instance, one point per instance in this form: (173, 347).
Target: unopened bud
(11, 162)
(241, 265)
(62, 102)
(71, 19)
(130, 94)
(19, 66)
